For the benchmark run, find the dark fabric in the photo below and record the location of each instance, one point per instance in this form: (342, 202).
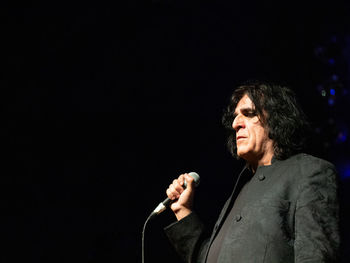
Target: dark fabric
(191, 230)
(215, 246)
(288, 212)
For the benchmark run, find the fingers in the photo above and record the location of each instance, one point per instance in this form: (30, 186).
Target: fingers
(176, 188)
(183, 195)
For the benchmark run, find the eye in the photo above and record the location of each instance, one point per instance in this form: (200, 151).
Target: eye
(249, 113)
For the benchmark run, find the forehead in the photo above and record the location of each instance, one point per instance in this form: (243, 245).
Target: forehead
(244, 103)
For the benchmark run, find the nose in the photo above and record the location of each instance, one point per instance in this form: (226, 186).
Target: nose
(237, 123)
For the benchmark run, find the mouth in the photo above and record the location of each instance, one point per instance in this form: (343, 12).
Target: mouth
(240, 138)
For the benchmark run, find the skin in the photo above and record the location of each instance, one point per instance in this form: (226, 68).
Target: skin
(183, 205)
(253, 142)
(253, 145)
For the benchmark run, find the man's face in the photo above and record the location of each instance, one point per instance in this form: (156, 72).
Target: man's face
(253, 143)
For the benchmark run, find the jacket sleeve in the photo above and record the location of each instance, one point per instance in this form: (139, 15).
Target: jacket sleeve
(187, 237)
(317, 215)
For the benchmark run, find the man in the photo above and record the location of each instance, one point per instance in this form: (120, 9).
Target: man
(284, 206)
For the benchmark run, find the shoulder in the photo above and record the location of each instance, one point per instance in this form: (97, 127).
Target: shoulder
(307, 161)
(303, 166)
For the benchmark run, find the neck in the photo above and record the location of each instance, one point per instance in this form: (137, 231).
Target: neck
(264, 161)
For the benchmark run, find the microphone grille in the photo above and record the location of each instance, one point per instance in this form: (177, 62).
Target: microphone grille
(195, 177)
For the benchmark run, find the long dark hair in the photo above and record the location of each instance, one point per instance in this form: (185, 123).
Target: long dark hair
(278, 111)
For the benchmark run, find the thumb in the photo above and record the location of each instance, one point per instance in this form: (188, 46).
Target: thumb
(189, 181)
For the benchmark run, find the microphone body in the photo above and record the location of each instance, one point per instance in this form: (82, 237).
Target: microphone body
(167, 202)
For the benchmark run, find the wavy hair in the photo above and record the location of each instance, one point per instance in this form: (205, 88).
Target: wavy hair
(279, 112)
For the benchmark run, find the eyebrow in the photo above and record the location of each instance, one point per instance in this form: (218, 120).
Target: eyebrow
(244, 110)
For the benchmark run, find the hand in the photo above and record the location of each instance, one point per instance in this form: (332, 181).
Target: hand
(182, 198)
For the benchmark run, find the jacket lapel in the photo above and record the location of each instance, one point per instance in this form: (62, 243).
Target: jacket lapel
(224, 212)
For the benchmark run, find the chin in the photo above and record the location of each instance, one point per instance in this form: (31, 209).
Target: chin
(244, 154)
(241, 155)
(241, 152)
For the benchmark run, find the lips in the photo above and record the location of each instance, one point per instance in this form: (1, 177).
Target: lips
(240, 137)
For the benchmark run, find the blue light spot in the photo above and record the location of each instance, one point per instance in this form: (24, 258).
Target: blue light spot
(342, 136)
(344, 171)
(332, 91)
(331, 61)
(334, 77)
(331, 102)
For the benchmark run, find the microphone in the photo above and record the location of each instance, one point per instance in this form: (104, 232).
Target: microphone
(167, 202)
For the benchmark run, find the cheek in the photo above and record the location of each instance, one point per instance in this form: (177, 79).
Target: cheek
(255, 120)
(261, 137)
(256, 133)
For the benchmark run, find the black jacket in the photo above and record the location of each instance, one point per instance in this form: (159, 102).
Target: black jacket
(288, 212)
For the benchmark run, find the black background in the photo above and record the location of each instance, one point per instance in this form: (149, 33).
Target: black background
(104, 104)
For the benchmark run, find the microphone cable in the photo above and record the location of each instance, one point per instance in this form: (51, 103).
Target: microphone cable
(161, 207)
(143, 235)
